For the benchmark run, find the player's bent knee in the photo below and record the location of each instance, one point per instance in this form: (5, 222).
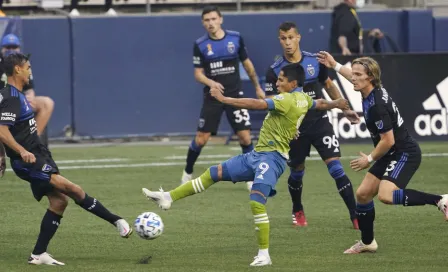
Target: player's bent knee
(363, 196)
(297, 168)
(216, 172)
(385, 191)
(58, 202)
(202, 139)
(64, 185)
(386, 198)
(260, 193)
(335, 169)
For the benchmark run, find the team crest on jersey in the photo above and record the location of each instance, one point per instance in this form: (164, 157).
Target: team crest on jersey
(201, 123)
(379, 124)
(231, 47)
(278, 97)
(46, 168)
(310, 70)
(209, 50)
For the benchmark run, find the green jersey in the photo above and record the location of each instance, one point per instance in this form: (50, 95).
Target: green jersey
(286, 112)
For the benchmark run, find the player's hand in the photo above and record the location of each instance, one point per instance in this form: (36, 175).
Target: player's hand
(28, 157)
(217, 85)
(352, 116)
(326, 59)
(342, 104)
(360, 163)
(377, 33)
(217, 94)
(260, 93)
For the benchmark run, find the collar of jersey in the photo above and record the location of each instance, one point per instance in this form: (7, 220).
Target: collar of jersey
(370, 95)
(298, 90)
(300, 61)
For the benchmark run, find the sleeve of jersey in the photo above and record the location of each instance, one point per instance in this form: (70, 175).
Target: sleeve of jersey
(270, 87)
(311, 102)
(381, 117)
(197, 56)
(323, 73)
(9, 111)
(279, 103)
(242, 53)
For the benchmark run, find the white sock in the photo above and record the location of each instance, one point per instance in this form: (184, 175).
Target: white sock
(263, 252)
(167, 196)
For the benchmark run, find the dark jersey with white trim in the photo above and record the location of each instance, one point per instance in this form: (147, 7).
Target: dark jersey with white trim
(382, 115)
(315, 76)
(220, 59)
(17, 114)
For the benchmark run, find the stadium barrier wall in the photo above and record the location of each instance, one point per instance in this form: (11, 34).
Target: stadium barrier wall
(134, 75)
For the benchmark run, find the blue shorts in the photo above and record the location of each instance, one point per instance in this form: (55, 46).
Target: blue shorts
(261, 167)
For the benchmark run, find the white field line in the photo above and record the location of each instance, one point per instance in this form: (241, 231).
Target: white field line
(92, 160)
(161, 164)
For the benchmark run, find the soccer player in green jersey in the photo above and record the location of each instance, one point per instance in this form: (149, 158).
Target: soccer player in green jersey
(267, 162)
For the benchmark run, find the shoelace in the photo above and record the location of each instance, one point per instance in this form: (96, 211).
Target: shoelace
(357, 246)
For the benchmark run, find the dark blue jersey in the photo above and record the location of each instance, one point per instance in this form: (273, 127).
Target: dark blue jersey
(382, 115)
(315, 76)
(220, 59)
(17, 114)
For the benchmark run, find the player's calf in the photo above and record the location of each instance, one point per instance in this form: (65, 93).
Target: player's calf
(194, 151)
(258, 198)
(89, 203)
(343, 184)
(295, 186)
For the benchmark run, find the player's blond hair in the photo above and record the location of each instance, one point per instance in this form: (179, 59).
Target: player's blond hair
(372, 69)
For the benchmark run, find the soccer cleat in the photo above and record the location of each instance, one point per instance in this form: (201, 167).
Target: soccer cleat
(158, 198)
(186, 177)
(443, 205)
(261, 261)
(123, 228)
(299, 219)
(43, 258)
(249, 185)
(355, 224)
(360, 247)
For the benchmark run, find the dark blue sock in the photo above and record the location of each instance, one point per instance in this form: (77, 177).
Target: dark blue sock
(193, 153)
(366, 216)
(295, 186)
(247, 148)
(409, 197)
(344, 185)
(48, 228)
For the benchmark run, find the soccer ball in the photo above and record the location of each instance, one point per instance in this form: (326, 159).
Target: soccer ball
(148, 225)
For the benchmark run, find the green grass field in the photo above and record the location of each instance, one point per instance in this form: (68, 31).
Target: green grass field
(214, 231)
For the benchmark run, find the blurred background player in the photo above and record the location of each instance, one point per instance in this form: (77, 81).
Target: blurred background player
(42, 105)
(266, 163)
(216, 57)
(32, 161)
(316, 129)
(347, 36)
(396, 156)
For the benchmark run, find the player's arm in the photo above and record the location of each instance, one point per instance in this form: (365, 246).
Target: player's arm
(198, 62)
(383, 122)
(326, 59)
(244, 103)
(334, 93)
(324, 105)
(270, 86)
(9, 111)
(250, 69)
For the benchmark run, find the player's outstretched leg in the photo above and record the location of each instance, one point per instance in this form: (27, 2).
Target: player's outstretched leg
(295, 186)
(344, 186)
(49, 226)
(194, 151)
(90, 204)
(389, 193)
(191, 187)
(258, 198)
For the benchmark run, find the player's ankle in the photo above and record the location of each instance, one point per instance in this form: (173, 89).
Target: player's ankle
(263, 252)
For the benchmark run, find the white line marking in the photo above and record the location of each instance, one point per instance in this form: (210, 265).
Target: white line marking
(93, 160)
(158, 164)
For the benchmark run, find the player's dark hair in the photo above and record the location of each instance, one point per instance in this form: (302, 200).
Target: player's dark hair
(294, 71)
(209, 9)
(285, 26)
(13, 60)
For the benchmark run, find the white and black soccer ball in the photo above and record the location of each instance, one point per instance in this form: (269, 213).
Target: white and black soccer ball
(149, 225)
